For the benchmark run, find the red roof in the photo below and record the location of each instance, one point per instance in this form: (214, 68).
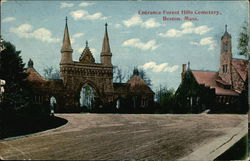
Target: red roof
(138, 85)
(34, 75)
(241, 67)
(209, 79)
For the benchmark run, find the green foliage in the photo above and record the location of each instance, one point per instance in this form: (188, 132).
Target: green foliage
(166, 98)
(243, 40)
(17, 94)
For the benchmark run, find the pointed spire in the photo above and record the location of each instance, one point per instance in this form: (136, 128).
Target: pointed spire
(226, 33)
(105, 44)
(66, 39)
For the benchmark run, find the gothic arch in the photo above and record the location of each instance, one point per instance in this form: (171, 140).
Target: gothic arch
(96, 92)
(91, 84)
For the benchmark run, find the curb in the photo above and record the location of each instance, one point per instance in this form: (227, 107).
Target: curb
(218, 146)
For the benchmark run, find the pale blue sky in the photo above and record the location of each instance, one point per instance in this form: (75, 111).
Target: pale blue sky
(160, 47)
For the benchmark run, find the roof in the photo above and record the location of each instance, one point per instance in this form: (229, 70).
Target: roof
(137, 85)
(210, 79)
(241, 67)
(226, 34)
(120, 87)
(34, 75)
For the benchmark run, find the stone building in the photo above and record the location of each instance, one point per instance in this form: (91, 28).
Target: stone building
(84, 75)
(231, 78)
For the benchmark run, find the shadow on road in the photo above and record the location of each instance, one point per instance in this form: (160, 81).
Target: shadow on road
(29, 125)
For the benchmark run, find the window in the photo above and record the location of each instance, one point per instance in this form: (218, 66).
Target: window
(224, 68)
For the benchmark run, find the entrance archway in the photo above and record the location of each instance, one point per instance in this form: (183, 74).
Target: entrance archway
(87, 97)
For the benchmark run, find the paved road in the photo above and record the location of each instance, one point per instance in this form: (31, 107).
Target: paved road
(121, 136)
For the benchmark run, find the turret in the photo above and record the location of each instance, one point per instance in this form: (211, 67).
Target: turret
(106, 53)
(226, 42)
(226, 57)
(66, 49)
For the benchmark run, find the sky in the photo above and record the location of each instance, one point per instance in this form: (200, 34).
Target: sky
(158, 46)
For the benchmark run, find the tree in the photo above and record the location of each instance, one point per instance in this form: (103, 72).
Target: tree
(119, 77)
(243, 40)
(51, 73)
(165, 97)
(17, 93)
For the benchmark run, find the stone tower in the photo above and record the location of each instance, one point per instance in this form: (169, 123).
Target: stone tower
(226, 57)
(106, 53)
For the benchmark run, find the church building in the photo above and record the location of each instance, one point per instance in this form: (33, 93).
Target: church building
(230, 80)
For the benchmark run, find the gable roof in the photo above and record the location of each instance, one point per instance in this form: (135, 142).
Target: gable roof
(210, 79)
(138, 85)
(241, 66)
(34, 76)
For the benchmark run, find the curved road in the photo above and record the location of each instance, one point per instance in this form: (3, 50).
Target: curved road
(121, 136)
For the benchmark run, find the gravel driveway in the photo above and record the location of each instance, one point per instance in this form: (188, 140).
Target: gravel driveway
(121, 136)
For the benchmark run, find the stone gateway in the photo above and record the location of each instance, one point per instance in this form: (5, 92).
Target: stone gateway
(88, 83)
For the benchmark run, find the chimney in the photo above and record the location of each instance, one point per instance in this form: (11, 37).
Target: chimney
(184, 69)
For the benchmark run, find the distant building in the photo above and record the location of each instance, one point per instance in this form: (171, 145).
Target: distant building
(231, 79)
(86, 73)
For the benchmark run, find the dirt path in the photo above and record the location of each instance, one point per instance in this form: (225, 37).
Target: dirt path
(121, 136)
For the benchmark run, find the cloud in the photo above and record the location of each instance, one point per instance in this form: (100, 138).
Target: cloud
(137, 43)
(206, 41)
(85, 4)
(118, 25)
(84, 15)
(26, 31)
(77, 35)
(187, 25)
(133, 21)
(8, 19)
(187, 28)
(164, 67)
(151, 23)
(136, 20)
(64, 5)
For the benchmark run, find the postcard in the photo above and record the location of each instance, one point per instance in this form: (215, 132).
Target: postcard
(124, 80)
